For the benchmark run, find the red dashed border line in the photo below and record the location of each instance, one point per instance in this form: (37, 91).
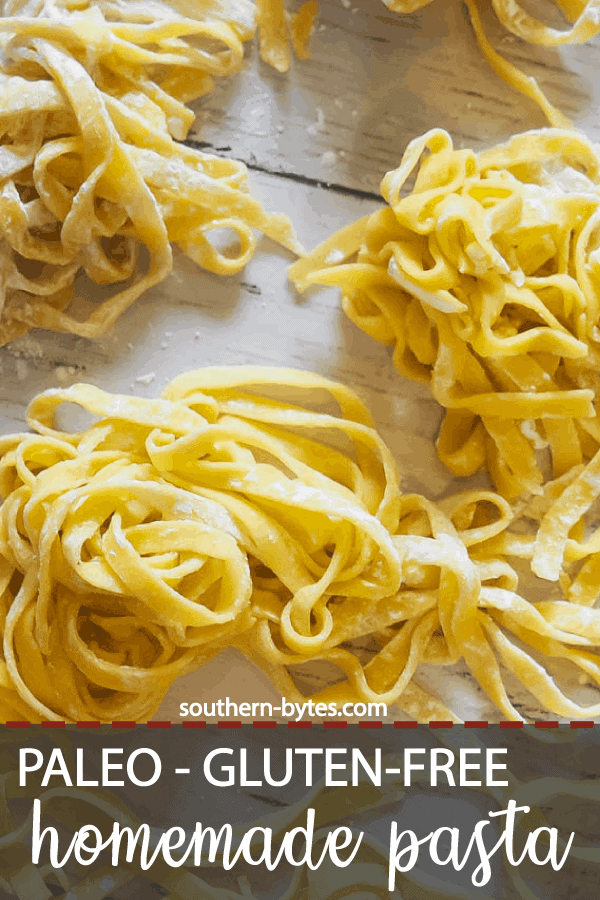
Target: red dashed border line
(329, 724)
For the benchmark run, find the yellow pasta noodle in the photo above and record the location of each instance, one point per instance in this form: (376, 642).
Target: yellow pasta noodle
(223, 515)
(485, 278)
(279, 33)
(302, 25)
(129, 550)
(91, 172)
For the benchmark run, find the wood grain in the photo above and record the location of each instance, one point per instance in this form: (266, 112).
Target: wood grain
(377, 79)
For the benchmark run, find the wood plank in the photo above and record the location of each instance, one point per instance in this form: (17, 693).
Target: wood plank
(377, 79)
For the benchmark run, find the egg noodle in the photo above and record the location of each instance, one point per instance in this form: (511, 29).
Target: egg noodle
(92, 106)
(137, 549)
(279, 33)
(485, 278)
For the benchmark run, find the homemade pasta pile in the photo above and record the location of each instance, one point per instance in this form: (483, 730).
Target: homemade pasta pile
(92, 106)
(220, 515)
(486, 279)
(134, 551)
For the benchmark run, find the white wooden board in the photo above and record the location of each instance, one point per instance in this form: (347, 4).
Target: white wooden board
(342, 118)
(377, 79)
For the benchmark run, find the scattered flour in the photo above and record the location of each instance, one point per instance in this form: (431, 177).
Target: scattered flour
(26, 347)
(146, 379)
(65, 373)
(22, 369)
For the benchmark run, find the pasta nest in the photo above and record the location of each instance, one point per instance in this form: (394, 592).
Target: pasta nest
(486, 277)
(136, 549)
(92, 106)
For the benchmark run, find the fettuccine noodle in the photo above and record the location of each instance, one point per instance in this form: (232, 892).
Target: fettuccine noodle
(92, 108)
(134, 551)
(220, 515)
(485, 277)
